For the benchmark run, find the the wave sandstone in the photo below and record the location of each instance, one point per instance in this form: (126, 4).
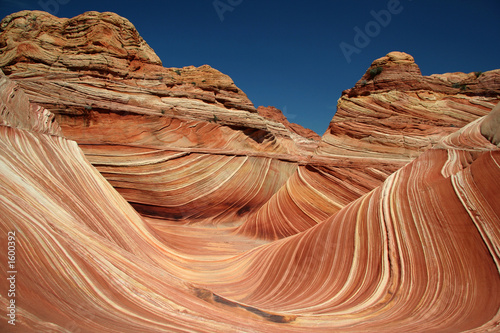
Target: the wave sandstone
(152, 199)
(390, 117)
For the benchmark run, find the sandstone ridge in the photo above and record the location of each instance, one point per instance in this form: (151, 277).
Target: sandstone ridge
(96, 74)
(398, 70)
(103, 51)
(145, 201)
(380, 126)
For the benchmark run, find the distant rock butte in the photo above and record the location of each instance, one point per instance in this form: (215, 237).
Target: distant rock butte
(398, 70)
(275, 114)
(116, 170)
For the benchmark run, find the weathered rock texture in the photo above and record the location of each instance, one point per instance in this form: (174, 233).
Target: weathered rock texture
(390, 117)
(135, 119)
(275, 114)
(86, 260)
(391, 224)
(399, 258)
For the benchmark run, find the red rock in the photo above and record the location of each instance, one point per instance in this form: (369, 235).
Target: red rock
(85, 260)
(382, 260)
(383, 263)
(168, 118)
(16, 111)
(397, 70)
(275, 114)
(377, 129)
(392, 224)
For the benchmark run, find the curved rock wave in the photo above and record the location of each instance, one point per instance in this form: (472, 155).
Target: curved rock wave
(381, 124)
(413, 254)
(142, 202)
(399, 257)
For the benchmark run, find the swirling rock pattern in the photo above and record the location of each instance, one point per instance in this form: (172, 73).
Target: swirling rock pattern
(389, 118)
(273, 113)
(392, 224)
(96, 74)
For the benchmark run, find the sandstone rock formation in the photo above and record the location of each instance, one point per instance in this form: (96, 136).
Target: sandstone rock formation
(273, 113)
(168, 118)
(390, 223)
(379, 127)
(86, 261)
(491, 127)
(403, 252)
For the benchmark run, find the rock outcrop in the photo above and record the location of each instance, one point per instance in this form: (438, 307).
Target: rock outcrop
(275, 114)
(491, 126)
(379, 127)
(386, 261)
(390, 223)
(97, 75)
(85, 259)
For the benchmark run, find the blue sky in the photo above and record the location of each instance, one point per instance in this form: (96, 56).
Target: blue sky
(287, 53)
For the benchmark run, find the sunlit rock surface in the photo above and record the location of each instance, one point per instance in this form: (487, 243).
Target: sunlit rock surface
(418, 253)
(390, 117)
(134, 216)
(273, 113)
(135, 119)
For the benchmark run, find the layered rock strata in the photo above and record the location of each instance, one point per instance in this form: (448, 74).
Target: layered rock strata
(275, 114)
(397, 251)
(390, 117)
(170, 118)
(418, 253)
(97, 75)
(390, 223)
(85, 260)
